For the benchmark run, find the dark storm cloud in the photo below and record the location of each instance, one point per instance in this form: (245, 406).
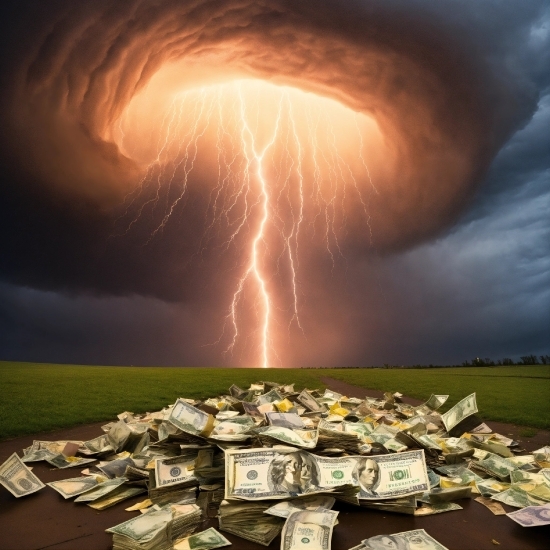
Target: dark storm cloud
(449, 83)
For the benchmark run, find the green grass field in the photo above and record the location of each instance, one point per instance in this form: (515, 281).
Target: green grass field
(519, 395)
(40, 397)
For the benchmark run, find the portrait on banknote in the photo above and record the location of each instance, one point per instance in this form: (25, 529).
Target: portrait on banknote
(421, 541)
(294, 473)
(387, 542)
(367, 474)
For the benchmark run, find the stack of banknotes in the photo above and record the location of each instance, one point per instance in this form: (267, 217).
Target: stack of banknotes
(272, 461)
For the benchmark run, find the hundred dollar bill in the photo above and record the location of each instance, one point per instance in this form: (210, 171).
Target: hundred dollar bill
(272, 396)
(146, 528)
(391, 475)
(532, 516)
(97, 445)
(206, 540)
(191, 420)
(418, 538)
(256, 474)
(300, 438)
(37, 456)
(17, 478)
(308, 529)
(61, 461)
(73, 487)
(517, 498)
(431, 509)
(310, 403)
(285, 420)
(99, 491)
(496, 466)
(118, 495)
(173, 471)
(460, 411)
(436, 401)
(285, 508)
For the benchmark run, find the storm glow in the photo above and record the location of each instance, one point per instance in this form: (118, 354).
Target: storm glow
(287, 169)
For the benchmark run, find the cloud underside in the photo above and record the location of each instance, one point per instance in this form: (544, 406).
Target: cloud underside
(444, 108)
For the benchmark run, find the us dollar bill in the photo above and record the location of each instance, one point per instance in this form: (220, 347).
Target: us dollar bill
(418, 538)
(17, 478)
(435, 401)
(191, 420)
(497, 466)
(300, 438)
(256, 474)
(173, 471)
(532, 516)
(73, 487)
(308, 529)
(460, 411)
(285, 508)
(146, 527)
(206, 540)
(310, 403)
(101, 490)
(285, 420)
(518, 498)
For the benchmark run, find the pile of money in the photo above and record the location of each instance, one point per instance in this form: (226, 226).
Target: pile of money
(157, 528)
(271, 460)
(250, 521)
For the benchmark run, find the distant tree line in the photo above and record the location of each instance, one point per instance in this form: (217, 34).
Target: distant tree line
(524, 360)
(477, 362)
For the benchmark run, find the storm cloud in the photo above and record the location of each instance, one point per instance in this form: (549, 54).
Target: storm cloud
(458, 258)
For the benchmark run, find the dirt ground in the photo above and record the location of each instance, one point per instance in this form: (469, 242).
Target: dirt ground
(45, 520)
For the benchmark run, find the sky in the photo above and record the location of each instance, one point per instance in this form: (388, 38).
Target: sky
(274, 183)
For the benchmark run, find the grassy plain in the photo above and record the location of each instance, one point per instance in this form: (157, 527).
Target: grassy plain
(518, 394)
(42, 397)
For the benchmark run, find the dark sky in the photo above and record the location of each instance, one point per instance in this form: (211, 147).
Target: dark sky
(458, 264)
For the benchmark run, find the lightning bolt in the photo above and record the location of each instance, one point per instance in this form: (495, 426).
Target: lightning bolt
(262, 190)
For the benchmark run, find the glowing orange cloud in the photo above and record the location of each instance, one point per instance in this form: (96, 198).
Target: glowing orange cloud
(284, 163)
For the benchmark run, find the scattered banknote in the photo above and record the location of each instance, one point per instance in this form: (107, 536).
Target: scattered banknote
(496, 466)
(459, 412)
(532, 516)
(206, 540)
(73, 487)
(121, 493)
(494, 506)
(285, 420)
(310, 403)
(430, 509)
(285, 508)
(418, 538)
(101, 490)
(308, 529)
(61, 461)
(518, 498)
(301, 438)
(17, 478)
